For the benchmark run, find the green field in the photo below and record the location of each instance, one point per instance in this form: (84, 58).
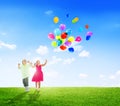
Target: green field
(60, 96)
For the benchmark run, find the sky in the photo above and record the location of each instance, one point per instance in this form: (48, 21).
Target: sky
(24, 29)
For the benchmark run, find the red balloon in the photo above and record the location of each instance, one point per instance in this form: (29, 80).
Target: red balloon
(62, 47)
(86, 26)
(64, 35)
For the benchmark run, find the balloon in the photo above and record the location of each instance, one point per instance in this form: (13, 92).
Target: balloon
(63, 47)
(78, 39)
(62, 27)
(64, 35)
(55, 20)
(59, 42)
(68, 43)
(81, 29)
(63, 41)
(71, 39)
(88, 37)
(76, 19)
(67, 15)
(58, 37)
(89, 33)
(54, 43)
(69, 31)
(51, 36)
(57, 31)
(71, 49)
(86, 26)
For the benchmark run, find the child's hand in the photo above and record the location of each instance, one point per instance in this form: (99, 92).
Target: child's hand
(28, 61)
(18, 64)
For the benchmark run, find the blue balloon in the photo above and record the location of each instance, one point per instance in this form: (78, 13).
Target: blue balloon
(57, 31)
(69, 31)
(67, 15)
(71, 49)
(88, 37)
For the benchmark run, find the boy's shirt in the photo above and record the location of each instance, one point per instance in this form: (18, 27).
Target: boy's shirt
(25, 70)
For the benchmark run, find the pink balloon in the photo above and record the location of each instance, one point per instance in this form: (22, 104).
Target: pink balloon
(62, 27)
(51, 36)
(78, 39)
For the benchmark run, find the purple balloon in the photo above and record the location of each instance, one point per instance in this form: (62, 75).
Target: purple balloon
(90, 33)
(62, 27)
(67, 43)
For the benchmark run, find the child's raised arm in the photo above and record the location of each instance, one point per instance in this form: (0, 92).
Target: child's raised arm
(18, 65)
(30, 63)
(44, 63)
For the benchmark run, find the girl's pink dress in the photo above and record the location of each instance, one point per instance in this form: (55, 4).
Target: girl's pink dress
(38, 76)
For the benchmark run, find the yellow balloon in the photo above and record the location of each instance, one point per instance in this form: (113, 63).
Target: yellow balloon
(56, 19)
(54, 43)
(58, 37)
(71, 39)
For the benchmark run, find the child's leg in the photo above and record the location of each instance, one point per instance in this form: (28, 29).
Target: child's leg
(25, 82)
(39, 84)
(36, 84)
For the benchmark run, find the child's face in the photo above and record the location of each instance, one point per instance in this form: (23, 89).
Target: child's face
(37, 62)
(24, 62)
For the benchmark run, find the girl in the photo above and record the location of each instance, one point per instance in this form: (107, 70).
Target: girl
(38, 76)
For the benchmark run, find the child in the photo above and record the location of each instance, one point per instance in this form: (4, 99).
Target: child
(25, 73)
(38, 76)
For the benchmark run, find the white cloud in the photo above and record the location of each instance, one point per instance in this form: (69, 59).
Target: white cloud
(3, 33)
(0, 60)
(51, 74)
(55, 60)
(82, 75)
(101, 76)
(42, 50)
(118, 73)
(84, 53)
(49, 12)
(112, 77)
(28, 53)
(78, 47)
(68, 61)
(9, 46)
(57, 50)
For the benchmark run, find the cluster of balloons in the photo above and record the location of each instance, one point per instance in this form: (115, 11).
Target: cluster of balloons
(62, 38)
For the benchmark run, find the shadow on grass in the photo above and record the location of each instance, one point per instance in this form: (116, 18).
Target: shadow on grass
(33, 97)
(17, 98)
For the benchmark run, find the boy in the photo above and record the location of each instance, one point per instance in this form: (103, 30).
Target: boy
(25, 73)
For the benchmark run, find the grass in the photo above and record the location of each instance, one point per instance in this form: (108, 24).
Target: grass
(60, 96)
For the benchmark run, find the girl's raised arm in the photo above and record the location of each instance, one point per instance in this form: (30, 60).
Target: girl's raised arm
(44, 63)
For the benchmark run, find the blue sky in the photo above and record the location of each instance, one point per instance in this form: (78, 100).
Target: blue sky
(24, 28)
